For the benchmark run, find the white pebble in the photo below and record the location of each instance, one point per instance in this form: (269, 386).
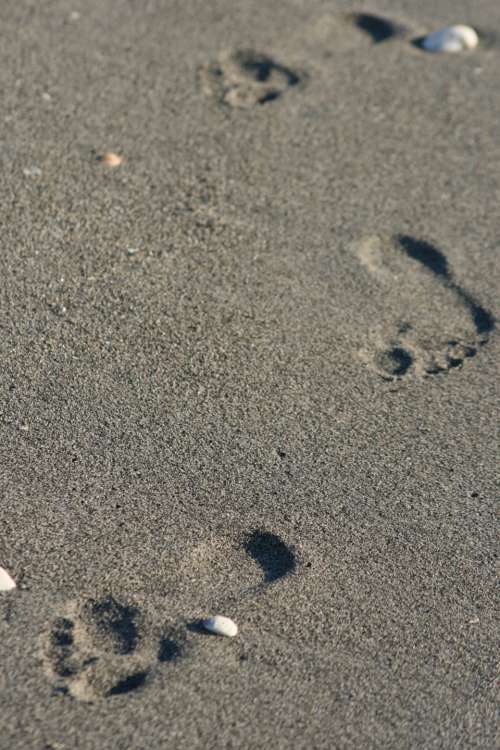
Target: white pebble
(221, 625)
(451, 39)
(6, 582)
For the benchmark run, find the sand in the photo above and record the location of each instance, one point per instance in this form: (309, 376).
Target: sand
(251, 370)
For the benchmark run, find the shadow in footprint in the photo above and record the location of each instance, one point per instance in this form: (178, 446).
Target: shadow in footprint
(394, 362)
(434, 260)
(378, 28)
(132, 682)
(113, 622)
(169, 650)
(483, 320)
(261, 67)
(274, 557)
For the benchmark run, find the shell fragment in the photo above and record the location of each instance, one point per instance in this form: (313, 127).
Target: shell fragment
(220, 625)
(451, 39)
(6, 582)
(110, 159)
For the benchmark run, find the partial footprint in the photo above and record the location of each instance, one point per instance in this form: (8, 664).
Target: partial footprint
(345, 31)
(239, 565)
(413, 349)
(96, 650)
(246, 78)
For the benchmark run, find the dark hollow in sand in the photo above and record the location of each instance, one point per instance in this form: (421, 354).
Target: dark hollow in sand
(274, 557)
(380, 29)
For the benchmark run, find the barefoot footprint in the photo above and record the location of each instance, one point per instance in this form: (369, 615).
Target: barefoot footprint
(245, 78)
(408, 351)
(100, 648)
(95, 650)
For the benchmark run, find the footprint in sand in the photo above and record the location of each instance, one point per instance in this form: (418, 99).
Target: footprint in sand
(245, 78)
(100, 648)
(425, 284)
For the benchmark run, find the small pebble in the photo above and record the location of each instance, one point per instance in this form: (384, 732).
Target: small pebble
(110, 159)
(6, 582)
(132, 250)
(220, 625)
(451, 39)
(32, 172)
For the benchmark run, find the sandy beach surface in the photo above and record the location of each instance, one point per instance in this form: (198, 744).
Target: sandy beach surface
(249, 367)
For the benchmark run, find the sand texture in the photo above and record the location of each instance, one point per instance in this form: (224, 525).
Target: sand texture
(248, 367)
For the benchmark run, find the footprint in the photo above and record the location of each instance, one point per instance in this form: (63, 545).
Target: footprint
(100, 648)
(410, 350)
(94, 651)
(246, 78)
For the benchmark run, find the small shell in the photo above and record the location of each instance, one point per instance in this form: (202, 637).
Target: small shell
(110, 159)
(6, 582)
(451, 39)
(221, 625)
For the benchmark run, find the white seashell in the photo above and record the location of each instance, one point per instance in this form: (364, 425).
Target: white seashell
(6, 582)
(451, 39)
(221, 625)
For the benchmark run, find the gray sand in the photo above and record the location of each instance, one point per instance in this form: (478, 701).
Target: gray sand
(281, 408)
